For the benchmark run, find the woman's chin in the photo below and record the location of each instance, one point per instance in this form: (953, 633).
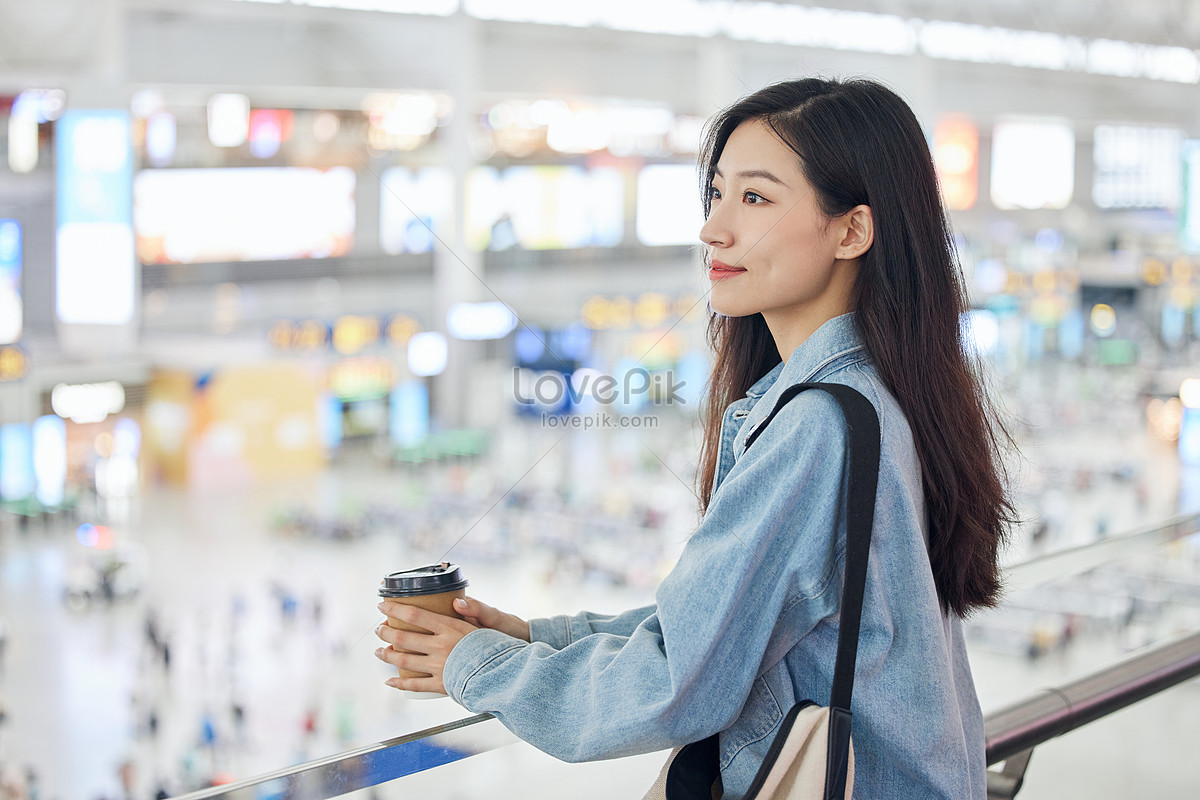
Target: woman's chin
(727, 307)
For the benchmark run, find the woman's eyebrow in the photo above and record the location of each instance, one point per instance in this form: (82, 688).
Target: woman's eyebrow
(753, 173)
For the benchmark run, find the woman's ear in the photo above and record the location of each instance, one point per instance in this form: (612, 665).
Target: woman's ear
(858, 229)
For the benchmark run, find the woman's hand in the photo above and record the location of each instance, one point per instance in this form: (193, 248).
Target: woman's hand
(481, 615)
(430, 650)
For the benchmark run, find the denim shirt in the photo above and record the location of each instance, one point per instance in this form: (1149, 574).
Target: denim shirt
(745, 624)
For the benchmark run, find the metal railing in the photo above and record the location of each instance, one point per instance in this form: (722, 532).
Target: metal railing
(1012, 732)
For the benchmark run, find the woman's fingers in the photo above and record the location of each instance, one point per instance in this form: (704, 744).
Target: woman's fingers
(472, 609)
(485, 616)
(413, 662)
(417, 684)
(429, 620)
(395, 636)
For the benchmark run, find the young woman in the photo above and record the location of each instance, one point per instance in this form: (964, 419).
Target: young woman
(830, 260)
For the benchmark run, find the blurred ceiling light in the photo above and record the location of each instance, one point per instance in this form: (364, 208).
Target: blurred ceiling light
(543, 12)
(427, 353)
(480, 320)
(23, 134)
(958, 41)
(441, 8)
(582, 131)
(1189, 393)
(160, 138)
(228, 119)
(400, 329)
(145, 103)
(1103, 319)
(1175, 64)
(268, 130)
(352, 333)
(672, 17)
(1109, 57)
(781, 23)
(326, 126)
(87, 402)
(1154, 271)
(403, 121)
(835, 29)
(635, 130)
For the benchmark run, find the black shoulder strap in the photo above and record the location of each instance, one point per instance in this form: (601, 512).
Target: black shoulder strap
(862, 480)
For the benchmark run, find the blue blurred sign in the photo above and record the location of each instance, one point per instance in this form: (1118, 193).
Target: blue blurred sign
(16, 461)
(409, 413)
(95, 253)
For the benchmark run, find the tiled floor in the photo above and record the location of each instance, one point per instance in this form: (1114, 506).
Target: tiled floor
(79, 685)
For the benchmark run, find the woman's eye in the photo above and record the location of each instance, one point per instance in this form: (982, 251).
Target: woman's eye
(714, 193)
(754, 199)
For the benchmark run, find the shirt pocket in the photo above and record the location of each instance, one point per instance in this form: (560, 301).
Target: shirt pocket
(760, 715)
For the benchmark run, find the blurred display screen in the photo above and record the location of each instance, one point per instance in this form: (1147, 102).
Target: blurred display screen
(11, 309)
(1033, 164)
(17, 479)
(669, 211)
(94, 281)
(1189, 216)
(563, 349)
(544, 208)
(50, 459)
(329, 420)
(361, 378)
(188, 216)
(1116, 296)
(409, 413)
(1136, 167)
(956, 155)
(413, 206)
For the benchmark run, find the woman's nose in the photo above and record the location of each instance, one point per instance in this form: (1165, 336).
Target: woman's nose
(714, 233)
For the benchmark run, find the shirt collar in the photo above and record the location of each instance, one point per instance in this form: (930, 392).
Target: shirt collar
(837, 337)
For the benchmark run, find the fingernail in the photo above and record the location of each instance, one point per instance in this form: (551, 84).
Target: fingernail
(460, 603)
(380, 606)
(379, 653)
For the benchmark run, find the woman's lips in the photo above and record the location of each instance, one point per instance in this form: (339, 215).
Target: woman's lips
(719, 269)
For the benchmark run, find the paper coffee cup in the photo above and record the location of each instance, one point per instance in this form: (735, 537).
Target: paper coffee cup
(433, 588)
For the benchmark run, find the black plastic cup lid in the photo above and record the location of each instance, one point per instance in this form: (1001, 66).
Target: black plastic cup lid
(431, 579)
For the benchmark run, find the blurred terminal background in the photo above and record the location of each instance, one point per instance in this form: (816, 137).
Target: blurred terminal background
(295, 294)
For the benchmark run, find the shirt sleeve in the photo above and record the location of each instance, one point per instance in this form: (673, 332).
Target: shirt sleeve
(764, 557)
(562, 630)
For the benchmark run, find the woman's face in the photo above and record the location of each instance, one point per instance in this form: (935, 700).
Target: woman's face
(771, 250)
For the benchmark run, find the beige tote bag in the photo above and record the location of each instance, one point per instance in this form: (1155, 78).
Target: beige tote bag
(795, 767)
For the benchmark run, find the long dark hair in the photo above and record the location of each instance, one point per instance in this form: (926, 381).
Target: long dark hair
(859, 143)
